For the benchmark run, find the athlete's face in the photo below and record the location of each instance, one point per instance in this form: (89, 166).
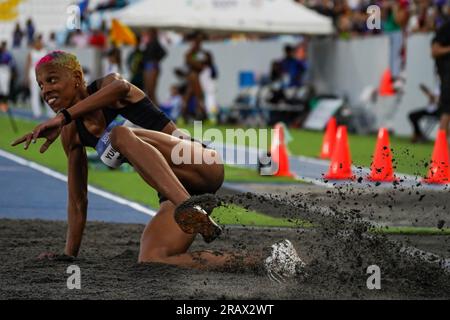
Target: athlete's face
(59, 86)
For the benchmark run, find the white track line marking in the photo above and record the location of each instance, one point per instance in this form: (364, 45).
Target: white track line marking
(60, 176)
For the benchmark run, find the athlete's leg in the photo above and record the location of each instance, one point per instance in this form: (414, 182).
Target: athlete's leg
(203, 170)
(149, 163)
(163, 241)
(162, 236)
(150, 153)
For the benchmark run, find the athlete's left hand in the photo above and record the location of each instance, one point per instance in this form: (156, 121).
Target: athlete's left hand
(50, 130)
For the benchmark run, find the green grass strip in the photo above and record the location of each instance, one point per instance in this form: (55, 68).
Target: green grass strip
(412, 231)
(408, 158)
(235, 215)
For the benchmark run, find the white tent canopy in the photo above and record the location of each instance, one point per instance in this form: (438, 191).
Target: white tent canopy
(256, 16)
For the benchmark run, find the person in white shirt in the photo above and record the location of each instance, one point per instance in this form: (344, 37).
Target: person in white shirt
(207, 80)
(112, 61)
(36, 53)
(52, 43)
(79, 39)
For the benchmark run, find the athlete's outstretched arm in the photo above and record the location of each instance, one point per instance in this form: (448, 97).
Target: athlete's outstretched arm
(114, 91)
(77, 189)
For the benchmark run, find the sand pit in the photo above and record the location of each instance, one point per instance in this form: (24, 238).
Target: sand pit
(337, 251)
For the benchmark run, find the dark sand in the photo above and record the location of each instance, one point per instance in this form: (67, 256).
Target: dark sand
(337, 254)
(402, 206)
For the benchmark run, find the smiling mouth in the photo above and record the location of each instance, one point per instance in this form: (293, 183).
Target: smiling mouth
(50, 101)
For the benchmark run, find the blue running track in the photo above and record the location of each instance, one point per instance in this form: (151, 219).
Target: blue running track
(26, 193)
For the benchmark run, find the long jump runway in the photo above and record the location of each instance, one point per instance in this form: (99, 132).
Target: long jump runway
(31, 191)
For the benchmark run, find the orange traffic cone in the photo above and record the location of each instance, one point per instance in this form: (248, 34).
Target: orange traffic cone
(381, 168)
(386, 88)
(3, 107)
(329, 139)
(341, 163)
(279, 152)
(439, 168)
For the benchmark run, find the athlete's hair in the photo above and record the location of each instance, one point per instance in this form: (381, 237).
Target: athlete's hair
(63, 59)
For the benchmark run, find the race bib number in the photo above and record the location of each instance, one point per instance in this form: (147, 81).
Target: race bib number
(109, 156)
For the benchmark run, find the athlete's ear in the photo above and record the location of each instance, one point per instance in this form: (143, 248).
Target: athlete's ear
(78, 76)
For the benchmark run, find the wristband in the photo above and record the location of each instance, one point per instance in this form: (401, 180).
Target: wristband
(67, 116)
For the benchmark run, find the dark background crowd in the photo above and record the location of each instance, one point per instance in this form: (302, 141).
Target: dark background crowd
(350, 16)
(192, 96)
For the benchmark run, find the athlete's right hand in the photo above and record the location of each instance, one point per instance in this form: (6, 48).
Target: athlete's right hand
(50, 130)
(26, 138)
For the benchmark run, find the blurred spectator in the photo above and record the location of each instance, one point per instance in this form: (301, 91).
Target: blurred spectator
(17, 36)
(207, 79)
(113, 61)
(440, 50)
(112, 4)
(276, 83)
(135, 62)
(30, 30)
(104, 27)
(6, 68)
(325, 7)
(98, 39)
(350, 16)
(52, 43)
(431, 110)
(441, 14)
(153, 54)
(37, 51)
(84, 13)
(422, 17)
(292, 68)
(87, 75)
(344, 20)
(69, 35)
(172, 107)
(395, 20)
(287, 72)
(195, 57)
(181, 79)
(79, 39)
(286, 79)
(359, 22)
